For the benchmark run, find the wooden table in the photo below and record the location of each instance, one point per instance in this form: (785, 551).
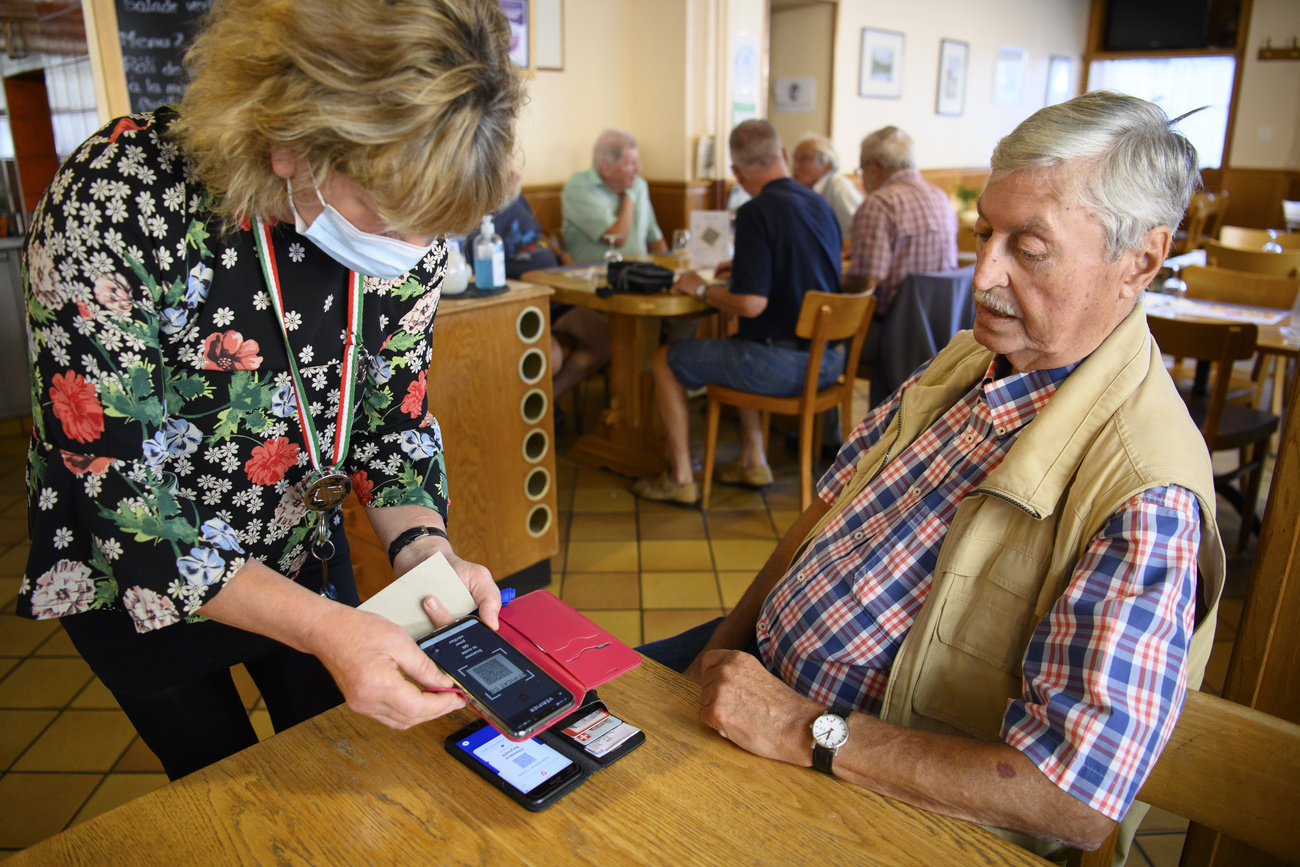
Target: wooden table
(624, 440)
(1272, 339)
(343, 789)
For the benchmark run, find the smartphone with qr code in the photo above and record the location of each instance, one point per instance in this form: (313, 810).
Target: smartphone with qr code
(506, 687)
(530, 772)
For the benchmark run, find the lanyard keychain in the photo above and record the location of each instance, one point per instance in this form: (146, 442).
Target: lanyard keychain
(327, 486)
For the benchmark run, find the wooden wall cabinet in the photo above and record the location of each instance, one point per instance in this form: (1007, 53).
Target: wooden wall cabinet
(489, 387)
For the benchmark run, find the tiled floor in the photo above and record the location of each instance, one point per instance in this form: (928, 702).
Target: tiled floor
(644, 571)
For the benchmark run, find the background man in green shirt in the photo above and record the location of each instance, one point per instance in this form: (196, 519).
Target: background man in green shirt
(610, 198)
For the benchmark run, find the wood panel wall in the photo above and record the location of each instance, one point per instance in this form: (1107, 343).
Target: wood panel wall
(1254, 195)
(673, 201)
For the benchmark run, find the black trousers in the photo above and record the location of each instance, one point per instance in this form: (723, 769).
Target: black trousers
(175, 685)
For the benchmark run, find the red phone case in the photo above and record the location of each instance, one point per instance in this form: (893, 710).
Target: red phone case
(568, 646)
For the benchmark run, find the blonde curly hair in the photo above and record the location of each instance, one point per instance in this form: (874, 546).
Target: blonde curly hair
(414, 100)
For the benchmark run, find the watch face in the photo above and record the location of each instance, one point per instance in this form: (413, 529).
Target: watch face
(830, 731)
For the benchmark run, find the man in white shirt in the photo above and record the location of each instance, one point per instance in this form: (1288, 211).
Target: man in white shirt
(816, 165)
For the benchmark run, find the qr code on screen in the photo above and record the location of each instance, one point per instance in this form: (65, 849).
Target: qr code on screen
(496, 673)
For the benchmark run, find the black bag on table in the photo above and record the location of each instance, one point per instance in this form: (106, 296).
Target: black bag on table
(644, 278)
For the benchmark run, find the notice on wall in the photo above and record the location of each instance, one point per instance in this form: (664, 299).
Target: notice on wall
(155, 35)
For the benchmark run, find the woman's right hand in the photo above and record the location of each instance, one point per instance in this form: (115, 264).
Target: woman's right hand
(381, 672)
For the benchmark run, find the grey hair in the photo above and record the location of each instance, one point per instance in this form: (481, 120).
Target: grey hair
(610, 146)
(1117, 155)
(890, 148)
(754, 144)
(825, 150)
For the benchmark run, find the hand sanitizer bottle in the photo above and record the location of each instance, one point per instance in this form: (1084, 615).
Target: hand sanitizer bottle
(489, 257)
(455, 279)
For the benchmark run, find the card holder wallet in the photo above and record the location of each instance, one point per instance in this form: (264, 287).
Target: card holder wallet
(592, 706)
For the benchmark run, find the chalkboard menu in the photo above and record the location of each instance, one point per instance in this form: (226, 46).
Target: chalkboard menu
(155, 35)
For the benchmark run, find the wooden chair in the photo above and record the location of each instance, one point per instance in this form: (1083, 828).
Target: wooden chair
(1204, 216)
(1259, 290)
(1212, 283)
(1224, 425)
(824, 317)
(1229, 767)
(1285, 264)
(1255, 239)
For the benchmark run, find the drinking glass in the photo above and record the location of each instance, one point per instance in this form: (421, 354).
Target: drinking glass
(1175, 285)
(681, 245)
(611, 255)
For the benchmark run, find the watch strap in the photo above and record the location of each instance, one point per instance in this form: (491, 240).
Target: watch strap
(823, 758)
(409, 536)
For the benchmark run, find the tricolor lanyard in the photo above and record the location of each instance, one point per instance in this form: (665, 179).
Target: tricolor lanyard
(328, 486)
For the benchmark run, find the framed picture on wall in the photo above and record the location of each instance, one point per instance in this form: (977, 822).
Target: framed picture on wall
(1009, 76)
(550, 34)
(950, 94)
(516, 12)
(1058, 79)
(880, 67)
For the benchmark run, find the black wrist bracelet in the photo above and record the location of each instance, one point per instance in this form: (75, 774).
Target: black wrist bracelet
(409, 536)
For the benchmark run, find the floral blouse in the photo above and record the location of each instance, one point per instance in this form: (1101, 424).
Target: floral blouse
(166, 449)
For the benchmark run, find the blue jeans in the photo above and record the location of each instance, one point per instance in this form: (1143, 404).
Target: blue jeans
(680, 651)
(747, 365)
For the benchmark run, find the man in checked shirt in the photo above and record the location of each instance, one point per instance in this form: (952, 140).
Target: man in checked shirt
(993, 610)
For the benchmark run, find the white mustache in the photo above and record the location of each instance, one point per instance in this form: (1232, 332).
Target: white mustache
(994, 303)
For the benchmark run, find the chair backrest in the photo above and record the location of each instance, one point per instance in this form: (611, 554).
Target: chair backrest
(1223, 343)
(830, 316)
(1255, 239)
(1231, 768)
(1239, 287)
(1204, 216)
(1291, 214)
(1285, 264)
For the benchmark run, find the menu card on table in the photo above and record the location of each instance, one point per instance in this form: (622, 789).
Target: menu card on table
(710, 238)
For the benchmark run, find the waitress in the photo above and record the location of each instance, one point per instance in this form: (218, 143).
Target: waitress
(229, 308)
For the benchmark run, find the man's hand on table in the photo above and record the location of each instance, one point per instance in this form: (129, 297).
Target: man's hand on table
(749, 706)
(688, 283)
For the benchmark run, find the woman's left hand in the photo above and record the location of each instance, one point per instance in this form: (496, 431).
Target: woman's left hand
(478, 580)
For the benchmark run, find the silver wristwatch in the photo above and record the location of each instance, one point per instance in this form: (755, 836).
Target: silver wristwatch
(830, 731)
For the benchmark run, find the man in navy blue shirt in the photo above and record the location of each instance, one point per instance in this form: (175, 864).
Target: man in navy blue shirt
(787, 243)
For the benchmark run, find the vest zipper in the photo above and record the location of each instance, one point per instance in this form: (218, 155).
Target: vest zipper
(1019, 505)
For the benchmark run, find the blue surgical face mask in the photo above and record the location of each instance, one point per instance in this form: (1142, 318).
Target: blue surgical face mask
(374, 255)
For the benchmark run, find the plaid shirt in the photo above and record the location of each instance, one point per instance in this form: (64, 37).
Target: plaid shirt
(832, 627)
(905, 226)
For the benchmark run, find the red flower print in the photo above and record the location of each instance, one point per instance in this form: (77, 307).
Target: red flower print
(77, 406)
(230, 351)
(270, 460)
(413, 403)
(125, 125)
(362, 487)
(82, 464)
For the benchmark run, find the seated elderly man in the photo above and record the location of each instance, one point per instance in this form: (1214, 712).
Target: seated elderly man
(991, 611)
(905, 224)
(816, 165)
(787, 244)
(610, 198)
